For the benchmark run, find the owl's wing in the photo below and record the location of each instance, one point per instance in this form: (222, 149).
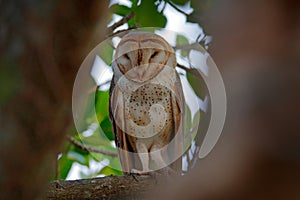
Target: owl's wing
(124, 142)
(178, 107)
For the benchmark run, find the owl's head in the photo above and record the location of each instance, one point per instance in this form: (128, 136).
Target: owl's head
(140, 56)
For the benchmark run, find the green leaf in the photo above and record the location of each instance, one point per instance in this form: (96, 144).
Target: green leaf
(188, 122)
(83, 175)
(98, 140)
(196, 120)
(195, 124)
(115, 163)
(134, 3)
(148, 16)
(202, 130)
(197, 84)
(101, 104)
(180, 2)
(76, 156)
(106, 51)
(182, 40)
(64, 166)
(132, 22)
(109, 171)
(107, 128)
(120, 9)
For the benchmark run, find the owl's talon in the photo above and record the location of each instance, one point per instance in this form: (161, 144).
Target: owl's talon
(138, 172)
(133, 176)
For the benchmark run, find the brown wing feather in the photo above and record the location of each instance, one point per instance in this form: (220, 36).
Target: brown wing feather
(178, 106)
(121, 140)
(124, 142)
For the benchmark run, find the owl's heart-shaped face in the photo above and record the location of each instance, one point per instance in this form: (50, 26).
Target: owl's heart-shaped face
(141, 56)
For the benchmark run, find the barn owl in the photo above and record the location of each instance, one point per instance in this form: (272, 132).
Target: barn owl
(146, 105)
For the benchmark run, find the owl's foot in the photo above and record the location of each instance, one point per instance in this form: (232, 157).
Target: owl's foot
(134, 173)
(166, 173)
(139, 172)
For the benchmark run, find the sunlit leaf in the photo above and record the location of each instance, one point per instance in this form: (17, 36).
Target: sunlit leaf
(101, 104)
(107, 128)
(120, 9)
(132, 22)
(148, 16)
(75, 156)
(196, 119)
(188, 122)
(134, 4)
(98, 140)
(109, 171)
(83, 175)
(182, 40)
(98, 157)
(65, 165)
(115, 163)
(106, 51)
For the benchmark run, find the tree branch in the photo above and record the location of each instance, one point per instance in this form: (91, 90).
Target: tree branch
(110, 187)
(176, 8)
(124, 20)
(192, 46)
(90, 149)
(119, 32)
(193, 71)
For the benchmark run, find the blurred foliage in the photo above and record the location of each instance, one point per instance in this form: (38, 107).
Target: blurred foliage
(106, 53)
(146, 13)
(10, 80)
(180, 2)
(197, 84)
(157, 19)
(182, 40)
(108, 171)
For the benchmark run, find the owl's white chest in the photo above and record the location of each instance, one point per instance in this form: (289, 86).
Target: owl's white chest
(147, 106)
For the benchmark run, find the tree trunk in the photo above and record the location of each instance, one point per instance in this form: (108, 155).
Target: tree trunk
(42, 45)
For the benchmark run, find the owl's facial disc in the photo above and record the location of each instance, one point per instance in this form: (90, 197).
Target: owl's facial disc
(143, 64)
(141, 56)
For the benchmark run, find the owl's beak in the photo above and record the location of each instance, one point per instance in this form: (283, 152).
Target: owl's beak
(137, 74)
(140, 71)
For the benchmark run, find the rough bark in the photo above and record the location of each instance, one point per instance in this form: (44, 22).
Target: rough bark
(110, 187)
